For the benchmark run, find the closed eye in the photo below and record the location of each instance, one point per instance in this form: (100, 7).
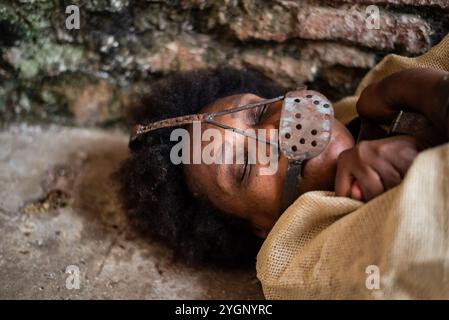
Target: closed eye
(246, 168)
(261, 113)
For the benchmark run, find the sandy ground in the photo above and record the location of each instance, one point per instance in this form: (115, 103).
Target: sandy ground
(58, 208)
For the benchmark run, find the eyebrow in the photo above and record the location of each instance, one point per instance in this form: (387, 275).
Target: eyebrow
(246, 112)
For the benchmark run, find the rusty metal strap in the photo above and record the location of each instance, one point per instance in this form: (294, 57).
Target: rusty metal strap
(140, 129)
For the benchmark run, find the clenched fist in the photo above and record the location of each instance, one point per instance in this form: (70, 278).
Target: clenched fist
(373, 167)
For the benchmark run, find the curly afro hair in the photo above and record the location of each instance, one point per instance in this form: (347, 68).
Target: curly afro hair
(154, 191)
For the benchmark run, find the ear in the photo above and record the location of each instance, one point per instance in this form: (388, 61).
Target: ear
(260, 232)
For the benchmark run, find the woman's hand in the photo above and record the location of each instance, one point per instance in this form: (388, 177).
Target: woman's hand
(373, 167)
(425, 91)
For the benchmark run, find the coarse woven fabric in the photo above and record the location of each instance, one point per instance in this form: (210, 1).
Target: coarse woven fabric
(323, 246)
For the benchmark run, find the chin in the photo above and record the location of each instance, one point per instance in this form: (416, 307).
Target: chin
(319, 173)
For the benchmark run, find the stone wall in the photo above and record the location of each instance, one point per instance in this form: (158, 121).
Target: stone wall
(88, 76)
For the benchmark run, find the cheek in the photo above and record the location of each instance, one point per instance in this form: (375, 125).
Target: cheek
(320, 174)
(264, 200)
(266, 190)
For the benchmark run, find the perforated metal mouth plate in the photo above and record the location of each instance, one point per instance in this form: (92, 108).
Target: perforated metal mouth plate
(306, 124)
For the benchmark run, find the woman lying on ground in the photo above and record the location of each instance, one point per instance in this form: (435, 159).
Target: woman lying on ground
(222, 212)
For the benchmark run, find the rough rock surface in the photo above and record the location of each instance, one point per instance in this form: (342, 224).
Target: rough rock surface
(89, 76)
(57, 200)
(58, 207)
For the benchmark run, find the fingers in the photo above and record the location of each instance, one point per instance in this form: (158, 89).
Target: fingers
(373, 167)
(343, 183)
(401, 154)
(370, 183)
(404, 160)
(388, 174)
(356, 192)
(343, 178)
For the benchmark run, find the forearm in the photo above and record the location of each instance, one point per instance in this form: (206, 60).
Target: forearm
(425, 91)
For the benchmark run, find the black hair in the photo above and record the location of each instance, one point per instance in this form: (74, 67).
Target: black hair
(154, 191)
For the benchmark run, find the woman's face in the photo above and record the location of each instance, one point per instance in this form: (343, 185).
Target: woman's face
(240, 189)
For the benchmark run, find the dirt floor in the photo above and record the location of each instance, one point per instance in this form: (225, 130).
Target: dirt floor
(58, 208)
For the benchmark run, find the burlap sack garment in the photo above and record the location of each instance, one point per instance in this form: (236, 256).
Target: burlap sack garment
(321, 246)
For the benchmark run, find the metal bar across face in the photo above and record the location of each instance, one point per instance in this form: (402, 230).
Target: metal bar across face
(246, 106)
(204, 117)
(211, 116)
(239, 131)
